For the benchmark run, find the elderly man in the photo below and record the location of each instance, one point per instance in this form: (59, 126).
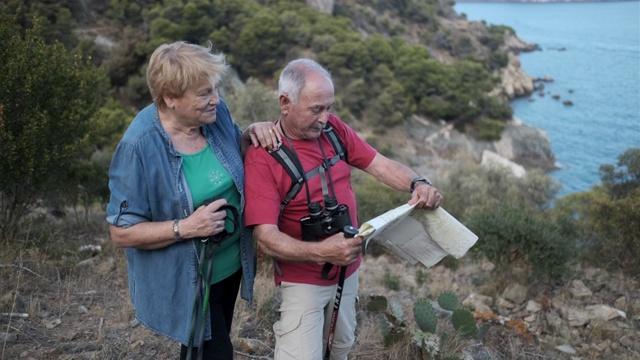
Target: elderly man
(302, 233)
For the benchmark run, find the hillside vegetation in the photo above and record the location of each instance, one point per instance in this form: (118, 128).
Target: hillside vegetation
(383, 56)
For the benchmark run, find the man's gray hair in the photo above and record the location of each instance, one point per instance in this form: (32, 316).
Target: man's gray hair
(293, 77)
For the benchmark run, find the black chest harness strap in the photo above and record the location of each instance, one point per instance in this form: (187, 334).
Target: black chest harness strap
(289, 160)
(287, 157)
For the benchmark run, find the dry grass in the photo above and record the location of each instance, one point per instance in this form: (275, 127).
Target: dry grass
(84, 312)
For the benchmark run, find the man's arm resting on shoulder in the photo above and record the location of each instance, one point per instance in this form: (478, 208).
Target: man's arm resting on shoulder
(335, 249)
(399, 177)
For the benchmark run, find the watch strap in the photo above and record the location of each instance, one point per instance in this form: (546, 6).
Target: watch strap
(417, 180)
(176, 230)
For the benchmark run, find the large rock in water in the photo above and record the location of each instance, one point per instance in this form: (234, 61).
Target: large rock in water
(514, 81)
(526, 145)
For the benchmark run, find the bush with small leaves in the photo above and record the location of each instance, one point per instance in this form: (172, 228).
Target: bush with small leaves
(47, 100)
(391, 281)
(543, 241)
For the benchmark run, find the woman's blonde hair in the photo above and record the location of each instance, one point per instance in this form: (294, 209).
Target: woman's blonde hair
(175, 67)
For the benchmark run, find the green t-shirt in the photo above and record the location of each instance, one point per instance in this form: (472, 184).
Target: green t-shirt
(207, 179)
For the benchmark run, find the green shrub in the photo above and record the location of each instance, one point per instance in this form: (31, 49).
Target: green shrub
(391, 281)
(609, 216)
(469, 188)
(624, 178)
(464, 46)
(495, 37)
(421, 276)
(490, 129)
(498, 60)
(613, 225)
(253, 103)
(375, 198)
(47, 99)
(543, 241)
(450, 263)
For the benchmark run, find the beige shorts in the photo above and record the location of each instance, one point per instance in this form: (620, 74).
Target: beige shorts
(305, 317)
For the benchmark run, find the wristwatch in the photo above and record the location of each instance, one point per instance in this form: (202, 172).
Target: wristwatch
(176, 230)
(419, 179)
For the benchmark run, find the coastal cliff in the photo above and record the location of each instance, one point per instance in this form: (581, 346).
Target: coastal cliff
(455, 38)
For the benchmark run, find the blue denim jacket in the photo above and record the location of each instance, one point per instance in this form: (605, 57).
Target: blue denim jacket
(147, 184)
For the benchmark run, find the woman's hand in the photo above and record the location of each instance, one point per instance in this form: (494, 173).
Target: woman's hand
(206, 221)
(265, 134)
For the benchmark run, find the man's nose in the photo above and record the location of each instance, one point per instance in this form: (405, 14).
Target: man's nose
(323, 117)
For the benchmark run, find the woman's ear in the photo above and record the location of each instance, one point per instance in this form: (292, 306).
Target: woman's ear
(170, 101)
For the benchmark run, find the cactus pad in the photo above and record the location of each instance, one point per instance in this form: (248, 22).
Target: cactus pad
(396, 309)
(464, 322)
(377, 303)
(448, 300)
(425, 316)
(384, 325)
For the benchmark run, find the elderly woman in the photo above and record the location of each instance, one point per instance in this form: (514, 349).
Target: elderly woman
(174, 177)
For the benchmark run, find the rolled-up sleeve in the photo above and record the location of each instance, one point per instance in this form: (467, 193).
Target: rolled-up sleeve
(129, 203)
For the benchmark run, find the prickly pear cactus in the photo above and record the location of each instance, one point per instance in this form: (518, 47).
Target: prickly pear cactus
(390, 333)
(464, 322)
(428, 343)
(448, 300)
(396, 309)
(384, 325)
(377, 303)
(425, 316)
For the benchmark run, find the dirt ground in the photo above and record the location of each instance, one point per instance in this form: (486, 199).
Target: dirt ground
(60, 302)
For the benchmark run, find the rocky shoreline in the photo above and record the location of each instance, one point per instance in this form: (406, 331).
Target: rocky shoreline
(521, 145)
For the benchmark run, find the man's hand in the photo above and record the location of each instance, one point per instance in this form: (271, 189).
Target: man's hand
(340, 250)
(425, 196)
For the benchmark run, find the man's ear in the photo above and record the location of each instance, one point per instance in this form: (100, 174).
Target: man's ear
(285, 103)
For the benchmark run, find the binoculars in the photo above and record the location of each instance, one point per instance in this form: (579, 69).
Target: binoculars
(321, 223)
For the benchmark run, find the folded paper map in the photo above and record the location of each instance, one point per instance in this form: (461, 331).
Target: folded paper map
(419, 235)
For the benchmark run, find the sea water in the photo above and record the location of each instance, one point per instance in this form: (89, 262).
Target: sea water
(592, 52)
